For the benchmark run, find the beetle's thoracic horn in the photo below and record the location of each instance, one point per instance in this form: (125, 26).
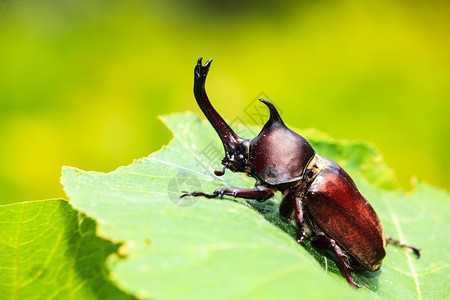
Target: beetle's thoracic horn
(274, 115)
(231, 141)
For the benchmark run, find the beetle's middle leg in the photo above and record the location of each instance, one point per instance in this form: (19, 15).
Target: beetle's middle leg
(325, 243)
(298, 213)
(291, 207)
(259, 192)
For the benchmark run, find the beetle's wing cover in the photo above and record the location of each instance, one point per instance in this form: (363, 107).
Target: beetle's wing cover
(338, 208)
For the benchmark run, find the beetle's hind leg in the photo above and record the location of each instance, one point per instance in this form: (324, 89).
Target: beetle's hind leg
(403, 245)
(325, 243)
(260, 193)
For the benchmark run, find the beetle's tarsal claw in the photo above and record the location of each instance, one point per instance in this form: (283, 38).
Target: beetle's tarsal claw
(184, 194)
(301, 240)
(416, 251)
(220, 173)
(197, 194)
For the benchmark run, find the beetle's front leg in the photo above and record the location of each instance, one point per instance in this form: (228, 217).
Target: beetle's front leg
(259, 192)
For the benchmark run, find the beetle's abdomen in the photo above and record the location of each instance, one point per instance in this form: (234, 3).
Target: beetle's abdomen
(338, 208)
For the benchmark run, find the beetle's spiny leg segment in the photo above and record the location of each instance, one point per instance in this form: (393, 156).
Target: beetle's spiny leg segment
(326, 243)
(260, 193)
(298, 211)
(403, 245)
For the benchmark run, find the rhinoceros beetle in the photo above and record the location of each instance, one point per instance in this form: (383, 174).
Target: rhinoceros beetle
(319, 197)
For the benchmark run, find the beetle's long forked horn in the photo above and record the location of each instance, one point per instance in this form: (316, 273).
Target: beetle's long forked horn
(230, 140)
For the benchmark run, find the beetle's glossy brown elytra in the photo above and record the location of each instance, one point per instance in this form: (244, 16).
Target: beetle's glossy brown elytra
(318, 195)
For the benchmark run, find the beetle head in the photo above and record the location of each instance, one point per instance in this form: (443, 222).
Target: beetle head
(236, 148)
(279, 155)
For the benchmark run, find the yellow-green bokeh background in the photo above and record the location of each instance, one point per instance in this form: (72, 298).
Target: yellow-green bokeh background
(82, 82)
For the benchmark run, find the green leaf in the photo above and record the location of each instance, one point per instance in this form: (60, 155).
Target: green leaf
(195, 248)
(49, 251)
(422, 219)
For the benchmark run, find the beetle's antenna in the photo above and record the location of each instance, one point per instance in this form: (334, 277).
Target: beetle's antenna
(231, 141)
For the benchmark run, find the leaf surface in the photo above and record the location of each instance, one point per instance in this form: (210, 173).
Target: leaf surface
(195, 248)
(49, 251)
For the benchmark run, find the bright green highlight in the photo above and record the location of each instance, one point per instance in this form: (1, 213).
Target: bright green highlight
(82, 82)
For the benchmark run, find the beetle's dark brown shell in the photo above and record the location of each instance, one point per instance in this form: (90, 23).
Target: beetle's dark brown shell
(338, 208)
(278, 155)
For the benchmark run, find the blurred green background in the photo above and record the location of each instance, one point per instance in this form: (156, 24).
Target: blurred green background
(82, 82)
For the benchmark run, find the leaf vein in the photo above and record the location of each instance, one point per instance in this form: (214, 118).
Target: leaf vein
(408, 257)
